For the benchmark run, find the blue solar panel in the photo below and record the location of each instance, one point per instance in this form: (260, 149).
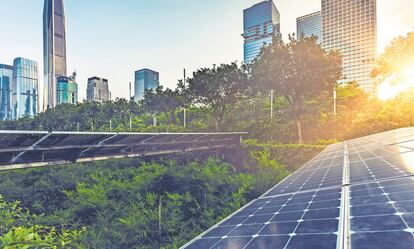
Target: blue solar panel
(382, 214)
(285, 220)
(358, 194)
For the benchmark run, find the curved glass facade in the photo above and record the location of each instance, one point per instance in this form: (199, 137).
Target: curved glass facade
(6, 76)
(260, 22)
(54, 49)
(67, 90)
(25, 86)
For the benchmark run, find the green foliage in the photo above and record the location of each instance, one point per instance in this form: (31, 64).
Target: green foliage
(269, 172)
(298, 71)
(17, 230)
(275, 154)
(217, 88)
(125, 205)
(163, 101)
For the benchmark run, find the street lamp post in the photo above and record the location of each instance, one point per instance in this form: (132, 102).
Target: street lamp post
(185, 117)
(154, 120)
(271, 104)
(334, 100)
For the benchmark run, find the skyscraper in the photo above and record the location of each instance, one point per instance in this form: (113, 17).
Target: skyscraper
(6, 76)
(97, 90)
(25, 85)
(145, 79)
(260, 23)
(54, 49)
(310, 25)
(350, 27)
(67, 90)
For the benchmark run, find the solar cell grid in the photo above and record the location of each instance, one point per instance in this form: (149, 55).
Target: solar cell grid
(382, 214)
(304, 210)
(374, 167)
(320, 174)
(285, 221)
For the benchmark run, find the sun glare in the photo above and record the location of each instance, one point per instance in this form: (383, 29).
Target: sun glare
(395, 84)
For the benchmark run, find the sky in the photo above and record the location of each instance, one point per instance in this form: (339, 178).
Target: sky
(112, 39)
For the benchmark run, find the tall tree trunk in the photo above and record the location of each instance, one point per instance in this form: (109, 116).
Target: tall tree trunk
(218, 126)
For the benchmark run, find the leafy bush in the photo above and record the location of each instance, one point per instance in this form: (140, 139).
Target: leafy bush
(17, 230)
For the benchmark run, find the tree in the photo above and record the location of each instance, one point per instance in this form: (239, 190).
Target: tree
(123, 110)
(162, 101)
(298, 71)
(397, 58)
(216, 88)
(92, 114)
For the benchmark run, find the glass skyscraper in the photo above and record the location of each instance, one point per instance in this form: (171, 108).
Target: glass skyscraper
(260, 23)
(6, 76)
(67, 90)
(25, 85)
(97, 90)
(350, 27)
(145, 79)
(310, 25)
(54, 49)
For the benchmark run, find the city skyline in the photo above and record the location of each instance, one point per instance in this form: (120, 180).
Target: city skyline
(172, 54)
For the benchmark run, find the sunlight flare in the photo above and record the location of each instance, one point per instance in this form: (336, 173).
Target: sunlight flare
(395, 84)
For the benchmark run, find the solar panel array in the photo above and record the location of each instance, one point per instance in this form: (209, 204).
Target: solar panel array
(356, 194)
(20, 149)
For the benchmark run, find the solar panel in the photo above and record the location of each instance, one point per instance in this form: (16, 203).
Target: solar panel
(23, 149)
(382, 214)
(357, 194)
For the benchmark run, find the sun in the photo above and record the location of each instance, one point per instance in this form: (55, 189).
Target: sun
(396, 83)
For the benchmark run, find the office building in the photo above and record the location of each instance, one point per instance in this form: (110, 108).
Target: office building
(310, 25)
(67, 90)
(25, 85)
(260, 23)
(6, 76)
(97, 90)
(350, 27)
(54, 49)
(145, 79)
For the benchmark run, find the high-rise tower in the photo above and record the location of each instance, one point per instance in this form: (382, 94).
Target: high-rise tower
(260, 23)
(25, 87)
(145, 79)
(350, 27)
(97, 90)
(310, 25)
(54, 49)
